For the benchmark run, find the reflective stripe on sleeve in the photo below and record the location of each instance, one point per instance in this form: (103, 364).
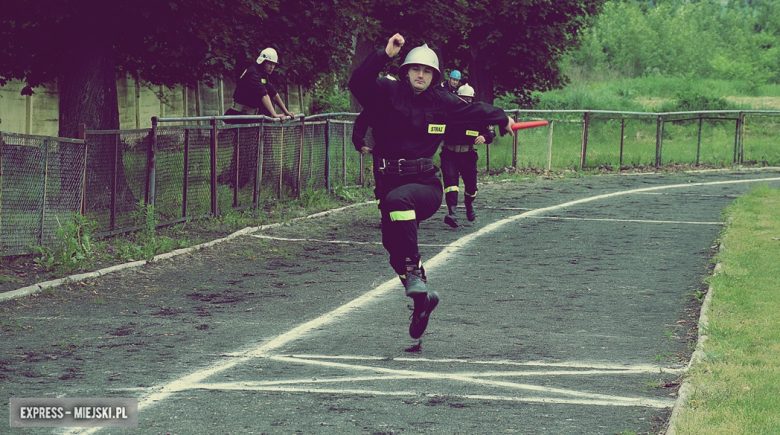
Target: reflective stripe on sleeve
(404, 215)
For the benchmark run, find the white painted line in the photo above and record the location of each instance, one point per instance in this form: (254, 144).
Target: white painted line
(466, 379)
(162, 392)
(490, 207)
(624, 401)
(641, 221)
(692, 194)
(336, 242)
(350, 242)
(569, 365)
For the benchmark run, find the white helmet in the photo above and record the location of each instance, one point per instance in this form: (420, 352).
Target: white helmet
(268, 54)
(466, 91)
(421, 55)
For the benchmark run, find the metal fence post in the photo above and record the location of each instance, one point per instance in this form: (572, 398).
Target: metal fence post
(361, 179)
(514, 146)
(2, 142)
(344, 153)
(738, 158)
(622, 133)
(237, 159)
(659, 138)
(549, 146)
(152, 164)
(115, 181)
(83, 136)
(259, 160)
(45, 174)
(585, 125)
(185, 177)
(213, 153)
(742, 137)
(300, 155)
(281, 162)
(327, 154)
(698, 143)
(487, 157)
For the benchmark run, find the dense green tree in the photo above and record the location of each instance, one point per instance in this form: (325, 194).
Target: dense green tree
(735, 40)
(503, 46)
(84, 44)
(515, 46)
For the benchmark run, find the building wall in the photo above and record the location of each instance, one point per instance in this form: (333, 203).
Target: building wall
(39, 114)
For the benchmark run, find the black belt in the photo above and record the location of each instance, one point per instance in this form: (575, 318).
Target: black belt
(406, 167)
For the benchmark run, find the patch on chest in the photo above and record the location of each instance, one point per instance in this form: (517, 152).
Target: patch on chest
(472, 133)
(436, 128)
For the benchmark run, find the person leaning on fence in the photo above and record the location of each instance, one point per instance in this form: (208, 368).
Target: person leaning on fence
(254, 92)
(459, 159)
(409, 119)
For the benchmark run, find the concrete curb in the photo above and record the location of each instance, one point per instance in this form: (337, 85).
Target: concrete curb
(686, 389)
(35, 288)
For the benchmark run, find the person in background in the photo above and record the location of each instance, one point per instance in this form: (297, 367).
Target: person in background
(459, 160)
(254, 94)
(452, 83)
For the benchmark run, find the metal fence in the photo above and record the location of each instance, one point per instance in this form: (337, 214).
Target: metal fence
(591, 139)
(41, 188)
(189, 168)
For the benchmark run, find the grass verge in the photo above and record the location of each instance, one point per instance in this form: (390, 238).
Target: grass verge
(736, 385)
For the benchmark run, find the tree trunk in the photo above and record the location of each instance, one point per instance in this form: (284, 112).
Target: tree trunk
(363, 47)
(88, 89)
(480, 78)
(88, 95)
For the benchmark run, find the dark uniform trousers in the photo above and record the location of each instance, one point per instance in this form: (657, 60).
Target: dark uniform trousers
(455, 166)
(231, 112)
(405, 201)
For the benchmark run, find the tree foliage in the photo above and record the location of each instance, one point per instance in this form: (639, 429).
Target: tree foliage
(736, 40)
(515, 46)
(504, 45)
(173, 42)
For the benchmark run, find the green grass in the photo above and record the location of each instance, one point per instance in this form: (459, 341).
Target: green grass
(736, 385)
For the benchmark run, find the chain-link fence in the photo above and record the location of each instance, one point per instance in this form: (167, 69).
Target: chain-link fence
(41, 188)
(189, 168)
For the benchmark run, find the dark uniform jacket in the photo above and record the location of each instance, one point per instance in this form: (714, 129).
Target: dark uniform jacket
(360, 129)
(252, 86)
(465, 134)
(409, 126)
(446, 86)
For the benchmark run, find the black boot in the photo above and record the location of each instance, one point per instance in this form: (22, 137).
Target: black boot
(452, 217)
(414, 279)
(470, 213)
(423, 306)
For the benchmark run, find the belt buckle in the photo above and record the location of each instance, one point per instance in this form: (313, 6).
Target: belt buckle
(399, 165)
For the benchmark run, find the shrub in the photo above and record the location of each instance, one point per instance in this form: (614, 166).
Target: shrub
(689, 101)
